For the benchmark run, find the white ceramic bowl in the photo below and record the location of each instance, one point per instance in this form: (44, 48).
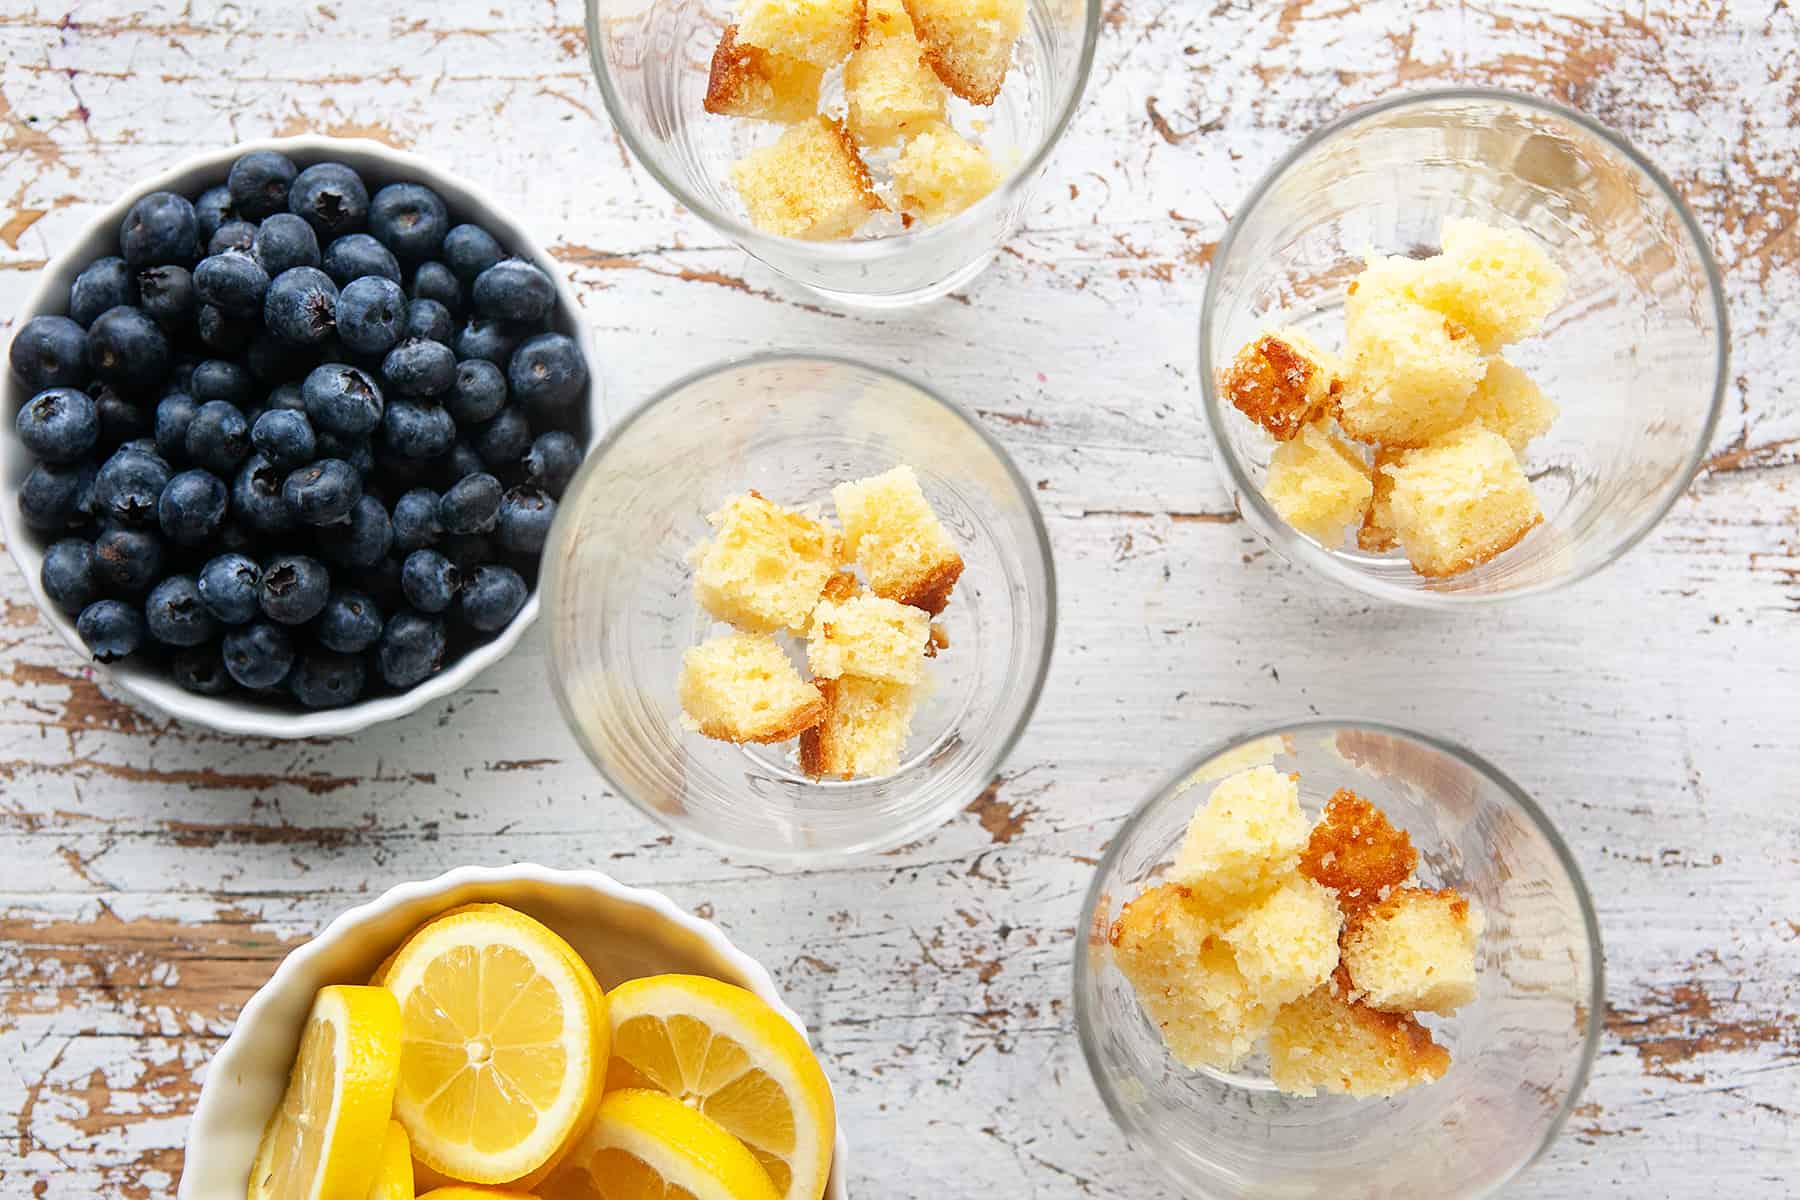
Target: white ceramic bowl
(378, 165)
(622, 932)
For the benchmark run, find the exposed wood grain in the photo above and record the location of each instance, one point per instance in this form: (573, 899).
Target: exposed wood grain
(155, 873)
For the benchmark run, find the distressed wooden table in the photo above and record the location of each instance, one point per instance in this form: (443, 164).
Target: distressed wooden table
(153, 874)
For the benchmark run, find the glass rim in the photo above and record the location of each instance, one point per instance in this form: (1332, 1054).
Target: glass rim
(848, 250)
(1297, 547)
(1593, 1027)
(902, 832)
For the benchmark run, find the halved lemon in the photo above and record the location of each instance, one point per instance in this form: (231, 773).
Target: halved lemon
(645, 1145)
(724, 1052)
(503, 1044)
(394, 1177)
(322, 1143)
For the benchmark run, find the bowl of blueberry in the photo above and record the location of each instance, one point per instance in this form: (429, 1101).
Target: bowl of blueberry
(288, 429)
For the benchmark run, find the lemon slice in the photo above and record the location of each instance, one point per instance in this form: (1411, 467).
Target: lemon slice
(321, 1142)
(645, 1145)
(504, 1041)
(723, 1051)
(464, 1191)
(394, 1176)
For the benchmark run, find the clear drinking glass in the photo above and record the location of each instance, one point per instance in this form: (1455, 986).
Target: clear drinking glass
(651, 58)
(618, 597)
(1519, 1053)
(1635, 356)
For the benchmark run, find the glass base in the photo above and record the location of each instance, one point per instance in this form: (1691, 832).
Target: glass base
(799, 290)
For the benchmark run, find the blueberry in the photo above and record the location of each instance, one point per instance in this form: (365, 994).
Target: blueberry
(417, 367)
(228, 587)
(288, 396)
(470, 250)
(258, 656)
(513, 290)
(358, 452)
(324, 492)
(104, 283)
(218, 438)
(232, 282)
(50, 352)
(174, 412)
(370, 314)
(234, 234)
(461, 462)
(223, 334)
(127, 561)
(175, 615)
(491, 597)
(121, 420)
(410, 220)
(343, 400)
(125, 347)
(112, 629)
(491, 340)
(219, 379)
(467, 550)
(411, 649)
(351, 622)
(192, 507)
(503, 441)
(525, 517)
(325, 680)
(548, 375)
(552, 461)
(142, 445)
(129, 485)
(363, 540)
(201, 670)
(213, 209)
(59, 425)
(167, 294)
(68, 575)
(50, 499)
(477, 392)
(427, 319)
(331, 197)
(301, 306)
(417, 431)
(429, 580)
(294, 588)
(285, 241)
(259, 182)
(435, 281)
(416, 521)
(160, 228)
(355, 255)
(284, 437)
(276, 360)
(472, 505)
(256, 496)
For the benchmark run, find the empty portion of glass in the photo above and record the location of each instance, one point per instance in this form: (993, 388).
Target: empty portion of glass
(621, 609)
(1519, 1054)
(652, 58)
(1635, 357)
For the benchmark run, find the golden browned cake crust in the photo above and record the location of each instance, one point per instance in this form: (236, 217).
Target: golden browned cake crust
(847, 144)
(1376, 535)
(748, 81)
(1398, 899)
(959, 51)
(1354, 851)
(1407, 1040)
(791, 726)
(812, 745)
(939, 640)
(735, 68)
(840, 587)
(1271, 383)
(931, 590)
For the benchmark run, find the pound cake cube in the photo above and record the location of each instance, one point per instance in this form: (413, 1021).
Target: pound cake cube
(1283, 382)
(864, 729)
(969, 43)
(868, 636)
(1186, 978)
(1498, 284)
(1411, 371)
(811, 184)
(1287, 944)
(939, 173)
(1246, 836)
(1383, 281)
(888, 90)
(740, 687)
(1460, 502)
(820, 32)
(1376, 533)
(1509, 403)
(1415, 951)
(1318, 484)
(748, 81)
(890, 529)
(1357, 853)
(765, 566)
(1326, 1042)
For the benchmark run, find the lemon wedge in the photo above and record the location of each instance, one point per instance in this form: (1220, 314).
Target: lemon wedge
(503, 1044)
(394, 1176)
(322, 1141)
(645, 1145)
(724, 1052)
